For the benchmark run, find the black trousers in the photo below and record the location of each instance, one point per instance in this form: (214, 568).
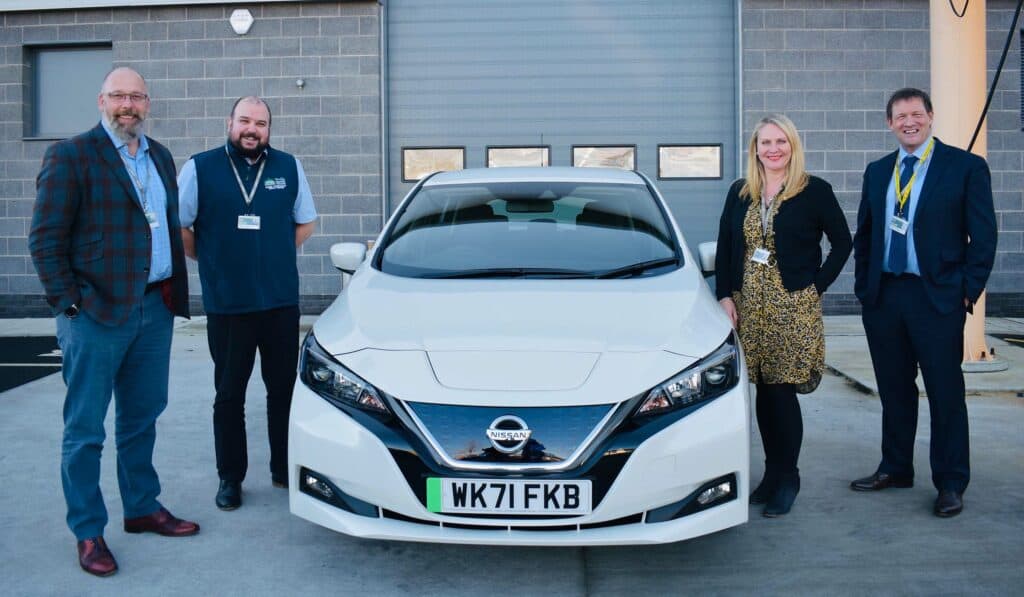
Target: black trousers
(233, 341)
(782, 428)
(905, 331)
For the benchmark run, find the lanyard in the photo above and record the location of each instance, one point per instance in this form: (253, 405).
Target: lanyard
(767, 222)
(140, 186)
(903, 194)
(259, 174)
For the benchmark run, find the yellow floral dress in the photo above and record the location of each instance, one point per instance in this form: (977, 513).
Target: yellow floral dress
(782, 332)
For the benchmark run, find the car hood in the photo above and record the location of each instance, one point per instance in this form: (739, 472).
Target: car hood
(539, 336)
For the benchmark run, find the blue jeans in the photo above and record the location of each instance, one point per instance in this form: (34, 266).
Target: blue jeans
(130, 361)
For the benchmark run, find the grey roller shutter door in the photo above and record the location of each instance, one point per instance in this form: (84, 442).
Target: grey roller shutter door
(473, 74)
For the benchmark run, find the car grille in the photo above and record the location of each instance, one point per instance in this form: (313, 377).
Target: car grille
(558, 435)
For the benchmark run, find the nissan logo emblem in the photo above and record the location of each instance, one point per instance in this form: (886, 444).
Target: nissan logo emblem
(508, 434)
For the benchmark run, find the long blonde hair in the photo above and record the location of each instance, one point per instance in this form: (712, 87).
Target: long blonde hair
(796, 174)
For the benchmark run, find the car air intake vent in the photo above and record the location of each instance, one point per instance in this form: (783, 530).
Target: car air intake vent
(396, 516)
(633, 519)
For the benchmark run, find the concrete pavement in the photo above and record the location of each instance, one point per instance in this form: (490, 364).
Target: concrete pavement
(834, 542)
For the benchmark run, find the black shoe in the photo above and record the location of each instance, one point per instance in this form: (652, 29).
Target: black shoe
(764, 490)
(880, 481)
(949, 504)
(782, 500)
(279, 482)
(229, 496)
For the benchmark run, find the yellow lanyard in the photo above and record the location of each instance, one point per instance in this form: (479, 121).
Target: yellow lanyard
(903, 194)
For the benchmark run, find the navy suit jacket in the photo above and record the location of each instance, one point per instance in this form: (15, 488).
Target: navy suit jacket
(954, 228)
(90, 241)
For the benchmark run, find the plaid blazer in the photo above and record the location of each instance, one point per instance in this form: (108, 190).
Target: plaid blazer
(90, 241)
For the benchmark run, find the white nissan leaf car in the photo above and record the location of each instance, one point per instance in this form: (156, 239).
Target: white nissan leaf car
(528, 356)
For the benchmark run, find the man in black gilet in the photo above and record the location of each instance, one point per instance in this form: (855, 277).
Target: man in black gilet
(245, 209)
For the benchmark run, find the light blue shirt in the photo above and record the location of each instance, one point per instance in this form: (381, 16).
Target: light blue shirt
(155, 202)
(910, 208)
(303, 212)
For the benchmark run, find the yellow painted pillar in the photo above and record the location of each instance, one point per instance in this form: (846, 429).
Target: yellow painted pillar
(959, 84)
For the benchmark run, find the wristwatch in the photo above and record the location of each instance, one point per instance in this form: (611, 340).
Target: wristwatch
(72, 311)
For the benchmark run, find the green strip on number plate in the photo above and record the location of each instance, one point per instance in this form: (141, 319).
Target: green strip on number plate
(434, 494)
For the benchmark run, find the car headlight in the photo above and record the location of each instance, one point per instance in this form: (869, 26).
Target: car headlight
(333, 382)
(705, 380)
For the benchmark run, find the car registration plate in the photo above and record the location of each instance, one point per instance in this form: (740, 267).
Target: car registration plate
(496, 496)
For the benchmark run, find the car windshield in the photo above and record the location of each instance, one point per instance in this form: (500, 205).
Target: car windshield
(532, 230)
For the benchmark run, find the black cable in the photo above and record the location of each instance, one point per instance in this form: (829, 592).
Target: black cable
(999, 69)
(960, 14)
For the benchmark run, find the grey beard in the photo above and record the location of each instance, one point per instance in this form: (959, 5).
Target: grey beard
(122, 132)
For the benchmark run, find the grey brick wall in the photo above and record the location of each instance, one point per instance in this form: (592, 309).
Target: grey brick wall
(830, 66)
(196, 66)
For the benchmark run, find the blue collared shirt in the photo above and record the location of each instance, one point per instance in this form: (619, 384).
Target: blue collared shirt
(303, 212)
(910, 208)
(155, 202)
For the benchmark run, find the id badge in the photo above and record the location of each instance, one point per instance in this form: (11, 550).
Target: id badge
(899, 225)
(154, 223)
(761, 256)
(248, 222)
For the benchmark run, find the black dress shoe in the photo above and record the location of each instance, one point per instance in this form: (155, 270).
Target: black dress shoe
(880, 481)
(764, 490)
(782, 500)
(948, 504)
(229, 496)
(279, 482)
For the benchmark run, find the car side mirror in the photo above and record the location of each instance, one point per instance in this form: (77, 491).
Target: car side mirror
(348, 256)
(707, 253)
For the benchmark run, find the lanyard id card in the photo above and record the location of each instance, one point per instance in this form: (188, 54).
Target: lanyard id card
(154, 223)
(761, 256)
(248, 222)
(899, 225)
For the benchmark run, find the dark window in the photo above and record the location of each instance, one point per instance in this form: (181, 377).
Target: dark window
(62, 84)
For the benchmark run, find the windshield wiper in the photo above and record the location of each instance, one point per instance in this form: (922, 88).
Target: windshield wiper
(511, 272)
(636, 269)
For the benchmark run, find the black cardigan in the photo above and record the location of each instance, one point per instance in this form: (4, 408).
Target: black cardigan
(799, 224)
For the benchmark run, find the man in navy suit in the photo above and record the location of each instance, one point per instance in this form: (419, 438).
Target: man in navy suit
(923, 250)
(105, 242)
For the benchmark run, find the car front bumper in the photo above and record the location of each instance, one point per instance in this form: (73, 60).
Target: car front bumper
(666, 468)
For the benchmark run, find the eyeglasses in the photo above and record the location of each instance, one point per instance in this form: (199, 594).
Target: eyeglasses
(136, 98)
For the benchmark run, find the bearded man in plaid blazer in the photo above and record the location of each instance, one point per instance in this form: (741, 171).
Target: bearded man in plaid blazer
(105, 243)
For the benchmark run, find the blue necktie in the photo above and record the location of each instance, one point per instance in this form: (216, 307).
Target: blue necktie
(897, 241)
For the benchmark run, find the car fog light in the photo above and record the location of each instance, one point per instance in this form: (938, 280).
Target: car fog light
(715, 493)
(320, 488)
(314, 483)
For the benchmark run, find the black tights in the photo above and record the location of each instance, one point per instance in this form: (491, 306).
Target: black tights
(781, 426)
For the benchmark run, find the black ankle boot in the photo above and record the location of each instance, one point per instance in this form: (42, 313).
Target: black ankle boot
(785, 494)
(765, 489)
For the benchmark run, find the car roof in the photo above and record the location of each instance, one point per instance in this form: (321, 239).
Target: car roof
(545, 174)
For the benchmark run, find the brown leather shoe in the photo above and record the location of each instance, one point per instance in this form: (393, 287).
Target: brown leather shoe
(880, 481)
(161, 522)
(95, 558)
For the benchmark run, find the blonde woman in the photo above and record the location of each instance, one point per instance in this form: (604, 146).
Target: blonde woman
(769, 279)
